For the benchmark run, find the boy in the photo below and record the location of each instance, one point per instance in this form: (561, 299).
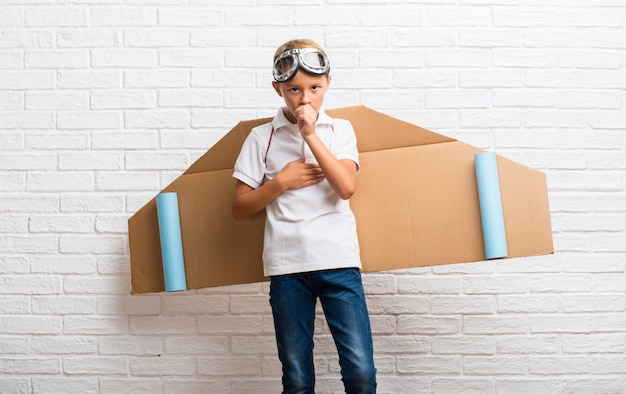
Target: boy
(301, 168)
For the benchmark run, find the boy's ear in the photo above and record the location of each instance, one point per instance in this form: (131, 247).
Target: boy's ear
(277, 88)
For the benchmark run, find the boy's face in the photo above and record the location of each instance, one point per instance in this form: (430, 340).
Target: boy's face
(303, 89)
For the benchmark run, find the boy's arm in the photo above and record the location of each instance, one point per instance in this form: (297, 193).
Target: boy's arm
(248, 201)
(341, 174)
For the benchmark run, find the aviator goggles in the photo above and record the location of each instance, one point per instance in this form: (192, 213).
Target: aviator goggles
(310, 60)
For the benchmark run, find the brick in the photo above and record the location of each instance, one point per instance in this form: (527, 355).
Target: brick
(400, 345)
(18, 120)
(190, 17)
(490, 37)
(388, 15)
(199, 304)
(217, 36)
(528, 304)
(458, 58)
(504, 17)
(131, 345)
(214, 345)
(423, 37)
(239, 366)
(591, 384)
(95, 365)
(456, 16)
(565, 38)
(609, 59)
(546, 365)
(137, 181)
(437, 365)
(438, 285)
(59, 100)
(560, 324)
(77, 120)
(30, 365)
(26, 38)
(59, 16)
(512, 284)
(155, 38)
(495, 365)
(68, 384)
(30, 325)
(190, 58)
(126, 58)
(88, 37)
(494, 324)
(154, 119)
(12, 16)
(60, 181)
(14, 305)
(522, 344)
(456, 385)
(424, 78)
(458, 99)
(159, 325)
(582, 344)
(28, 243)
(525, 58)
(398, 304)
(426, 325)
(85, 79)
(56, 59)
(85, 285)
(124, 16)
(63, 305)
(122, 140)
(453, 305)
(123, 99)
(156, 79)
(92, 203)
(524, 385)
(95, 325)
(60, 224)
(14, 345)
(229, 324)
(163, 366)
(64, 345)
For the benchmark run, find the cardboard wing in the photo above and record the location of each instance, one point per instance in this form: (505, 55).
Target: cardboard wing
(416, 205)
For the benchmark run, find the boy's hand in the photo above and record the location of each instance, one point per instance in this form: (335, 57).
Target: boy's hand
(298, 174)
(306, 116)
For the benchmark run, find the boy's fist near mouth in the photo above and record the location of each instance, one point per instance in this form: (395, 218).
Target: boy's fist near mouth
(306, 116)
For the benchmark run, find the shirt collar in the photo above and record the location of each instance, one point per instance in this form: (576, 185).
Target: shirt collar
(280, 120)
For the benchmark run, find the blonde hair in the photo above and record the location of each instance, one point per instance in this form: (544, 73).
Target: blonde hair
(297, 44)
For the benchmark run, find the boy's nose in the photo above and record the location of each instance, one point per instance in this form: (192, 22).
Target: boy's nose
(305, 99)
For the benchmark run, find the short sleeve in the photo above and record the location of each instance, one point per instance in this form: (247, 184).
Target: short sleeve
(345, 142)
(249, 167)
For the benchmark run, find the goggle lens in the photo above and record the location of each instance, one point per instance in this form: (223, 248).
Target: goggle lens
(313, 60)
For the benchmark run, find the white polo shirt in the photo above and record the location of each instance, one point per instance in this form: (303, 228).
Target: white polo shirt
(307, 229)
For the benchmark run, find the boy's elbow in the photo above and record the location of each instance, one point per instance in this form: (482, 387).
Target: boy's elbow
(346, 193)
(236, 212)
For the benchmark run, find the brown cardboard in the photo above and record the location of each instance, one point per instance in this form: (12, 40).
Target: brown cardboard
(416, 205)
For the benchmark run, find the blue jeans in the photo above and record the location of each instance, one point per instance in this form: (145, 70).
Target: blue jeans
(293, 298)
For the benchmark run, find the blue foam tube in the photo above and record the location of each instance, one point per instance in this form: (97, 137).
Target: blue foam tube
(492, 217)
(171, 242)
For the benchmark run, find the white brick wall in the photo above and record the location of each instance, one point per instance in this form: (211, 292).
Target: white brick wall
(103, 103)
